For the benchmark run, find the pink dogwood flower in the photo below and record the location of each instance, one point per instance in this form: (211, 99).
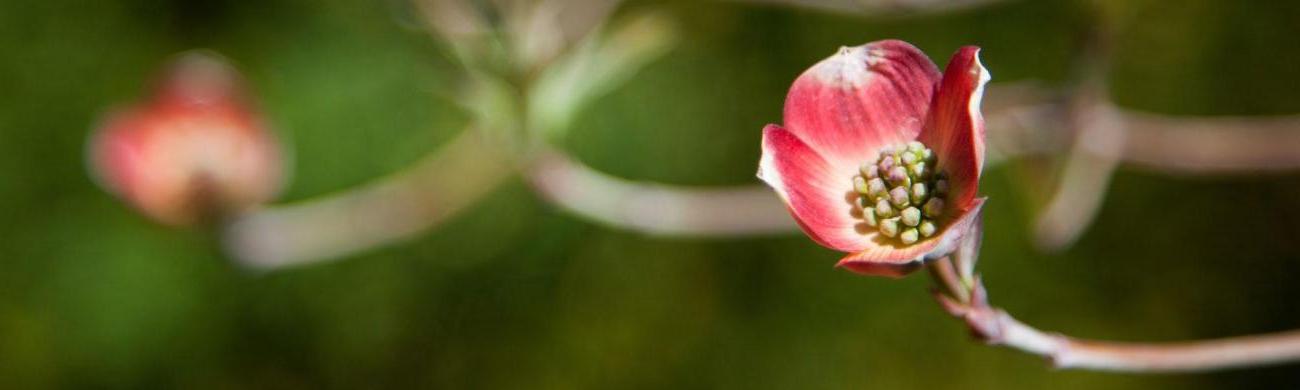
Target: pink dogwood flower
(881, 154)
(195, 149)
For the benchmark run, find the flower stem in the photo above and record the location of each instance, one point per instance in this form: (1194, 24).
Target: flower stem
(995, 327)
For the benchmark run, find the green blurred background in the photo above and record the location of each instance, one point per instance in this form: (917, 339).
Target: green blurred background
(514, 293)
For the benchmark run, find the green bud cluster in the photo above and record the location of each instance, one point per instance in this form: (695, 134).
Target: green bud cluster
(901, 194)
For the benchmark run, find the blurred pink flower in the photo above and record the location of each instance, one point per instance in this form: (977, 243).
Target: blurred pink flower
(881, 155)
(195, 149)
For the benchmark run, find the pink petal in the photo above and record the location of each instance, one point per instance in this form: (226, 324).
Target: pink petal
(816, 191)
(954, 128)
(847, 106)
(886, 259)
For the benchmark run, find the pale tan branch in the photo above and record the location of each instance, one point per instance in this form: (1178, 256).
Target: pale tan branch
(1212, 145)
(1025, 119)
(657, 208)
(389, 210)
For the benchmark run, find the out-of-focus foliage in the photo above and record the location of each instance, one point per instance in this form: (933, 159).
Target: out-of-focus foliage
(514, 294)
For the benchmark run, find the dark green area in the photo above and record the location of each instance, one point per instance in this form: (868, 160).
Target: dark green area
(517, 294)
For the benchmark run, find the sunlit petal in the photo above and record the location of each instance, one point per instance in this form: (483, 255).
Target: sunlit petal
(954, 127)
(817, 194)
(861, 98)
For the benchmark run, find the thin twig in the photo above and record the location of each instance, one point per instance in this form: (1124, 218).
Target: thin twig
(995, 327)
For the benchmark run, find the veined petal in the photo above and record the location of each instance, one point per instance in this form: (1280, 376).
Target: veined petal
(885, 259)
(818, 192)
(847, 106)
(954, 128)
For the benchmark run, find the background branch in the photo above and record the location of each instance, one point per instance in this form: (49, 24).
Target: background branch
(1212, 145)
(390, 209)
(1026, 119)
(657, 208)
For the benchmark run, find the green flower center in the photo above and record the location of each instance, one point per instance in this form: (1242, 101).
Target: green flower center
(901, 194)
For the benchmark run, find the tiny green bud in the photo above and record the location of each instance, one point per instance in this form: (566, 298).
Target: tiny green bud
(909, 158)
(898, 196)
(908, 236)
(889, 227)
(934, 208)
(926, 229)
(860, 185)
(918, 170)
(868, 170)
(897, 174)
(919, 193)
(883, 209)
(902, 192)
(875, 187)
(885, 164)
(911, 216)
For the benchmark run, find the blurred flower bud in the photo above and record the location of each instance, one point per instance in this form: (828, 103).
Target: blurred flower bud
(194, 149)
